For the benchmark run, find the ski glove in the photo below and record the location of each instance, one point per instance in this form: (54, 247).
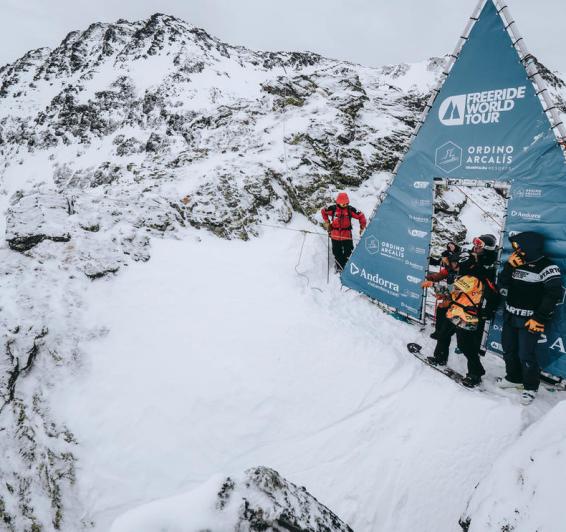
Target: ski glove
(534, 326)
(516, 260)
(326, 225)
(426, 284)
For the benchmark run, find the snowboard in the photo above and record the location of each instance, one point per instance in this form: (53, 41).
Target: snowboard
(416, 350)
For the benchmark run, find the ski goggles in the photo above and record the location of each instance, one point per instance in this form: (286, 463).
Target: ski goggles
(478, 243)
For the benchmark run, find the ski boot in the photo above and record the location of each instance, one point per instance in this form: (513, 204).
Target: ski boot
(505, 384)
(527, 397)
(471, 381)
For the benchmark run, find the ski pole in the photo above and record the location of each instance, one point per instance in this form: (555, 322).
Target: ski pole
(328, 259)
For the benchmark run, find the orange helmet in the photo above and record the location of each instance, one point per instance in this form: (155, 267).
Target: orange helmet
(342, 199)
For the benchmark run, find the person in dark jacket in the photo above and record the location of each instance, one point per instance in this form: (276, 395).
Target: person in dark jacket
(442, 261)
(442, 282)
(482, 259)
(338, 222)
(532, 285)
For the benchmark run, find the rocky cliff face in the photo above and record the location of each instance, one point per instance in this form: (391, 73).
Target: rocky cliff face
(100, 139)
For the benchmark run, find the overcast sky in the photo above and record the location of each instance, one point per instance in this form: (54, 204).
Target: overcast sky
(370, 32)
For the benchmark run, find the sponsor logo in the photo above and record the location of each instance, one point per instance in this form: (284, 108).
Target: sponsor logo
(385, 249)
(418, 251)
(497, 327)
(375, 280)
(526, 215)
(414, 265)
(490, 155)
(448, 157)
(421, 184)
(417, 233)
(413, 279)
(558, 345)
(525, 313)
(372, 244)
(409, 308)
(550, 271)
(419, 219)
(530, 193)
(411, 294)
(474, 108)
(497, 346)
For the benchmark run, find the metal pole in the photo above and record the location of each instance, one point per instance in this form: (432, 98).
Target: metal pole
(528, 61)
(452, 59)
(328, 259)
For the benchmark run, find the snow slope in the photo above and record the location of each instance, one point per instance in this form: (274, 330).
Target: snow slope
(524, 491)
(220, 358)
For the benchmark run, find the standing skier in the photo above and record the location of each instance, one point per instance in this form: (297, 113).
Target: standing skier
(338, 222)
(482, 258)
(464, 318)
(532, 285)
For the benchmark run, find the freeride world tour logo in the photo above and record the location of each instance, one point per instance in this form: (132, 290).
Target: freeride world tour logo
(479, 107)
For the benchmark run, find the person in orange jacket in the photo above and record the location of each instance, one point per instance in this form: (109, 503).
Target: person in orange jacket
(338, 222)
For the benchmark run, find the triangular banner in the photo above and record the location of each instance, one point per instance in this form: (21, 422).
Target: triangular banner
(487, 123)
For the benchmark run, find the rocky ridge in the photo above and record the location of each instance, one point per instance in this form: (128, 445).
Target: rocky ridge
(100, 139)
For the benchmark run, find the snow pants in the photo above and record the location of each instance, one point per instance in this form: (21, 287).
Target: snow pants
(440, 319)
(469, 342)
(444, 331)
(519, 352)
(342, 249)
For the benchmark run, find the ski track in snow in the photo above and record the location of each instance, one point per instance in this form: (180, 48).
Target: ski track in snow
(220, 358)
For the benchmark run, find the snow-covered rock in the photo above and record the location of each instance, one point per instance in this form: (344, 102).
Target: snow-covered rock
(524, 491)
(100, 139)
(258, 500)
(35, 217)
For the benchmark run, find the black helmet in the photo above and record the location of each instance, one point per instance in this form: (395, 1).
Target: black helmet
(489, 242)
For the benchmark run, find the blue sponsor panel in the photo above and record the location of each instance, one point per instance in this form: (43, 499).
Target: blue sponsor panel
(487, 123)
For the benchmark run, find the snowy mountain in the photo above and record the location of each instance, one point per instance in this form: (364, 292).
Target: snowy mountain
(100, 139)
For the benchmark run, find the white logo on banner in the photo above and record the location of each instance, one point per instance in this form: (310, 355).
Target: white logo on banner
(479, 107)
(526, 215)
(448, 157)
(452, 111)
(412, 279)
(372, 244)
(417, 233)
(354, 270)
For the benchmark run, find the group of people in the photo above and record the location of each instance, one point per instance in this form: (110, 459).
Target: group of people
(529, 287)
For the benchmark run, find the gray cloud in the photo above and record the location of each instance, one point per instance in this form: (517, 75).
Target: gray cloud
(371, 32)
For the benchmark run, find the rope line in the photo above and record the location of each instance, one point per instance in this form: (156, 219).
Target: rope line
(299, 262)
(480, 207)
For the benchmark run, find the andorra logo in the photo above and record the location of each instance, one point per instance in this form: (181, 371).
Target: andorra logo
(354, 270)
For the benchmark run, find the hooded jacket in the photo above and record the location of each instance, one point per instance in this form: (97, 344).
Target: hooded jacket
(533, 289)
(341, 221)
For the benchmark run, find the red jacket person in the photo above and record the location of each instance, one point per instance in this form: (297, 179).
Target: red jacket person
(338, 221)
